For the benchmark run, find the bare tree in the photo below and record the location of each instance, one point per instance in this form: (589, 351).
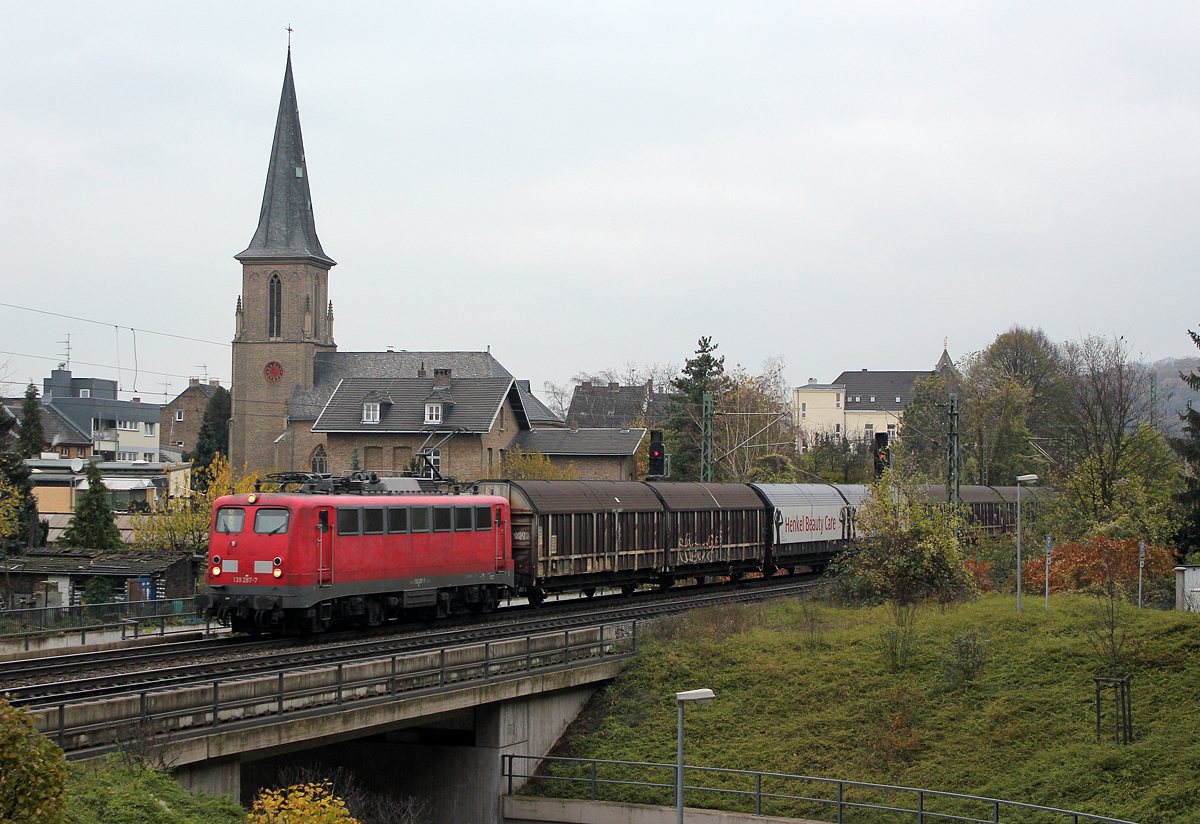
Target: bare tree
(754, 419)
(1107, 399)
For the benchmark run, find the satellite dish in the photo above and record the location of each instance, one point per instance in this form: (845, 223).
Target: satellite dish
(77, 465)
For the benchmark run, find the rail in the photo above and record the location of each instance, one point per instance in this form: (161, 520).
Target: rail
(92, 726)
(28, 623)
(765, 790)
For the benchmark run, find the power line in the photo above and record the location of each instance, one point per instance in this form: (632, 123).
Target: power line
(116, 325)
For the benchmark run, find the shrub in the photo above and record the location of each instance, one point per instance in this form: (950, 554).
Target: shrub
(301, 804)
(33, 771)
(966, 656)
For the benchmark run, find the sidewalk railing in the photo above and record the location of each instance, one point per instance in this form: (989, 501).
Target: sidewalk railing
(776, 794)
(28, 623)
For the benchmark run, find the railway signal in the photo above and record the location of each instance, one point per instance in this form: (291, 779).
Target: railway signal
(883, 454)
(657, 464)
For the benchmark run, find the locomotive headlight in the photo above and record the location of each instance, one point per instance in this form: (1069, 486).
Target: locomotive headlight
(216, 570)
(277, 572)
(252, 498)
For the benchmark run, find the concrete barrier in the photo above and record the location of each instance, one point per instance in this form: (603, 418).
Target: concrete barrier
(517, 809)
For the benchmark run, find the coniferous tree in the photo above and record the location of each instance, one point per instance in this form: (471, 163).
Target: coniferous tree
(33, 434)
(699, 375)
(213, 438)
(29, 530)
(93, 525)
(1188, 448)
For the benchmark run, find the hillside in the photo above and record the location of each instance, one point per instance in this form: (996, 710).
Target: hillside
(803, 688)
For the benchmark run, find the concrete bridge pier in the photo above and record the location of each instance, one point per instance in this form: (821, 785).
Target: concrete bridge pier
(451, 760)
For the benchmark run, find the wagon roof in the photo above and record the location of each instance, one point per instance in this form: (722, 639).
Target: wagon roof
(550, 497)
(801, 494)
(691, 497)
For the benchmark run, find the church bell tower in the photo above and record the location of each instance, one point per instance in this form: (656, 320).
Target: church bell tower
(284, 315)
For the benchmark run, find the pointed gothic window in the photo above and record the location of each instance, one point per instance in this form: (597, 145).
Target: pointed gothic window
(275, 308)
(320, 462)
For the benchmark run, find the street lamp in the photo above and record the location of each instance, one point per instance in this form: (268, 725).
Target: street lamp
(701, 696)
(1021, 479)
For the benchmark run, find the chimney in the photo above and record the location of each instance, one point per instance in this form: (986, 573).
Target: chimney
(421, 371)
(585, 385)
(214, 382)
(193, 382)
(441, 377)
(391, 349)
(614, 386)
(137, 400)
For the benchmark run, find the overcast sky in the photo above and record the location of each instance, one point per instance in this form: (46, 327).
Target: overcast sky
(579, 185)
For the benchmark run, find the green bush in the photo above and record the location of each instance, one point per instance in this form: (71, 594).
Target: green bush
(122, 791)
(33, 771)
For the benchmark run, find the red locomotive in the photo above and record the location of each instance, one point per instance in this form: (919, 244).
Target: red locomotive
(304, 561)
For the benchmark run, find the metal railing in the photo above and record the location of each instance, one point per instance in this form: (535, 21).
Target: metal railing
(188, 710)
(748, 791)
(27, 623)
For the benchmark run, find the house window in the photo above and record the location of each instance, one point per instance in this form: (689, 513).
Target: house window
(897, 399)
(129, 426)
(837, 400)
(837, 429)
(433, 413)
(177, 443)
(148, 428)
(869, 431)
(370, 413)
(275, 308)
(804, 410)
(178, 415)
(148, 457)
(872, 399)
(431, 468)
(891, 431)
(320, 460)
(64, 452)
(85, 393)
(126, 456)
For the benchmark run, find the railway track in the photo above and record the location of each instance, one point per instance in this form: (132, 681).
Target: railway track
(250, 658)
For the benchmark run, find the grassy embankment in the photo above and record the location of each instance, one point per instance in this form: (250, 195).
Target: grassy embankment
(124, 793)
(803, 688)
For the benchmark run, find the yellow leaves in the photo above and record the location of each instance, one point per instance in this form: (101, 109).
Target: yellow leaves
(181, 522)
(300, 804)
(10, 507)
(521, 465)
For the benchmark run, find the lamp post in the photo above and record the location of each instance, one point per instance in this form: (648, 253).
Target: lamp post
(701, 696)
(1021, 479)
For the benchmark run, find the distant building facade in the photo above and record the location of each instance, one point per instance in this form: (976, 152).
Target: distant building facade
(856, 405)
(598, 406)
(180, 419)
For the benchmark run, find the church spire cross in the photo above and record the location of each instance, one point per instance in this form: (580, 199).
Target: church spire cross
(286, 229)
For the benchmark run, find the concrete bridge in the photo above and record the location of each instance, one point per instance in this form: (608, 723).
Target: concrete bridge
(432, 724)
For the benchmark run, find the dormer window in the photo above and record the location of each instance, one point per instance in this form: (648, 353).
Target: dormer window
(370, 412)
(433, 413)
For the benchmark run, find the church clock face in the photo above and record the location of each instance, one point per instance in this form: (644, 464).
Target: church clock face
(273, 372)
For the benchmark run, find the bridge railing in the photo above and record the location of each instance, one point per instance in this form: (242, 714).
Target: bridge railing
(776, 794)
(90, 726)
(25, 624)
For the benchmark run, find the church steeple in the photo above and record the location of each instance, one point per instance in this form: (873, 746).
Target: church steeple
(286, 229)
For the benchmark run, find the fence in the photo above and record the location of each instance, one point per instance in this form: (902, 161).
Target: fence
(32, 622)
(764, 793)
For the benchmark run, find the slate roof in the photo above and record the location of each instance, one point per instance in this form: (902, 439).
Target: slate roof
(58, 429)
(878, 391)
(536, 412)
(286, 228)
(331, 368)
(581, 442)
(477, 403)
(90, 562)
(613, 406)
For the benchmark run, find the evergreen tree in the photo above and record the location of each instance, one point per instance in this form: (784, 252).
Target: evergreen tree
(29, 531)
(93, 525)
(213, 438)
(700, 374)
(33, 434)
(1188, 449)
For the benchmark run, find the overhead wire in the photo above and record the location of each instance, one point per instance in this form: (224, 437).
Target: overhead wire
(106, 323)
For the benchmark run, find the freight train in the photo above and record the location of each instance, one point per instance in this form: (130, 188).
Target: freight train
(358, 551)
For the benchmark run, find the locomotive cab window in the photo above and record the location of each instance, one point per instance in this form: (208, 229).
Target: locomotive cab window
(463, 520)
(372, 521)
(443, 518)
(483, 518)
(347, 520)
(230, 519)
(270, 521)
(420, 518)
(397, 519)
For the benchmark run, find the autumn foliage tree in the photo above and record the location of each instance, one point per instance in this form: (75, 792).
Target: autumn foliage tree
(93, 525)
(300, 804)
(33, 771)
(519, 465)
(180, 524)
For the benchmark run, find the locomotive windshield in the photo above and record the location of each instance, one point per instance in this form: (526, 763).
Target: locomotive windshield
(270, 521)
(230, 519)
